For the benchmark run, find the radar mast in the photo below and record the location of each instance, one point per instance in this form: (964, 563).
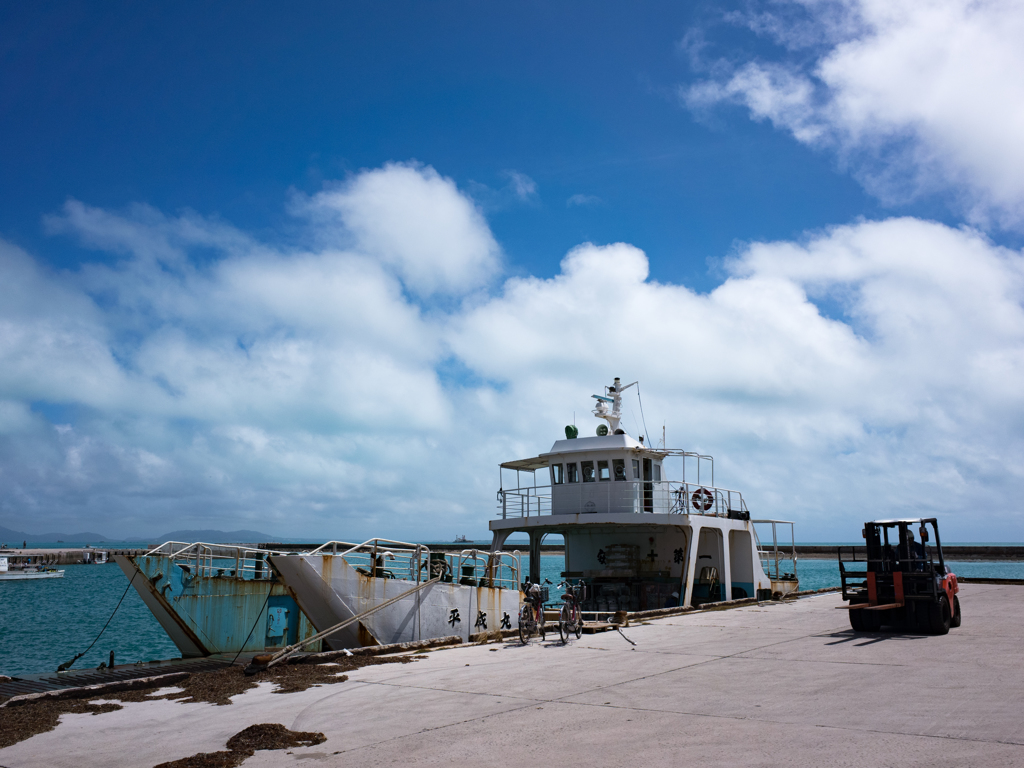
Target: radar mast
(613, 395)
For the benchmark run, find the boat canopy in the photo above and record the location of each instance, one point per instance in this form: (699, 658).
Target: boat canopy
(526, 465)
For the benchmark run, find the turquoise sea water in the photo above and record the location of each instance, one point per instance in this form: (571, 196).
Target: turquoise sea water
(44, 623)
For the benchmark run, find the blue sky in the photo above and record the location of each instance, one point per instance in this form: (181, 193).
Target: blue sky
(802, 186)
(225, 109)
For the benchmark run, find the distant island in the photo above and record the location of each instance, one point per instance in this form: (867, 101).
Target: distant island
(11, 536)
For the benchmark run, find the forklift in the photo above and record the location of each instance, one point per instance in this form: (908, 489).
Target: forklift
(901, 582)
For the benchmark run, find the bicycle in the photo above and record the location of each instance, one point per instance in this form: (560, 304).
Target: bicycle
(531, 614)
(570, 618)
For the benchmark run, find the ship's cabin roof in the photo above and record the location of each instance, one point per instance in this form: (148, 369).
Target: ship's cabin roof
(602, 444)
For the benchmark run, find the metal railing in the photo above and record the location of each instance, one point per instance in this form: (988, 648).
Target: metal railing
(774, 558)
(635, 496)
(389, 559)
(218, 560)
(381, 558)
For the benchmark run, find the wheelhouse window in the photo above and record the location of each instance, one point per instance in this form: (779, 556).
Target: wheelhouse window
(572, 473)
(636, 469)
(587, 467)
(619, 469)
(602, 471)
(657, 473)
(556, 474)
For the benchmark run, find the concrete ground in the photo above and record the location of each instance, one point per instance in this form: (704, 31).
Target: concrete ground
(777, 684)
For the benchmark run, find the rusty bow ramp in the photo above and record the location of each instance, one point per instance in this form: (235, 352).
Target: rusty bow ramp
(474, 591)
(214, 599)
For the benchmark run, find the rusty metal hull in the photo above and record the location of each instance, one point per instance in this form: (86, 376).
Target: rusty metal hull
(205, 615)
(329, 591)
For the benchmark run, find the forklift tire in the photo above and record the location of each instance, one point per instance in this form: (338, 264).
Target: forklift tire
(857, 621)
(955, 622)
(941, 618)
(864, 621)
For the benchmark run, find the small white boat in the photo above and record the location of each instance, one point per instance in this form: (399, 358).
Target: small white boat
(24, 574)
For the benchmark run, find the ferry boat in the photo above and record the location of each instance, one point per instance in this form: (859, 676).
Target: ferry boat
(640, 540)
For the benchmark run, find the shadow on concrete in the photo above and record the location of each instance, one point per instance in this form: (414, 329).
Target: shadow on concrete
(872, 637)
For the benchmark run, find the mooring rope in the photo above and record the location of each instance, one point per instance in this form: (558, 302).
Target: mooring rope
(67, 664)
(258, 615)
(624, 636)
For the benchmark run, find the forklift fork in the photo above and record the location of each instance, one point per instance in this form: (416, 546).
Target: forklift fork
(872, 603)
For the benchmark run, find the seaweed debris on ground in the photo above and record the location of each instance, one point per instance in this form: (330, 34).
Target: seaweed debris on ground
(29, 718)
(245, 743)
(219, 686)
(18, 723)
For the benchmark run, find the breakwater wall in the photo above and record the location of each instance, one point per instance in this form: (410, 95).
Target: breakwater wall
(977, 552)
(69, 556)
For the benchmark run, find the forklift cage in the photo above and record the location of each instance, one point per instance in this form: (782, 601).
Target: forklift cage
(894, 571)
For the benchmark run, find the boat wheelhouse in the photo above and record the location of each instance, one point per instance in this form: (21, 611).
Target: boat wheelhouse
(641, 540)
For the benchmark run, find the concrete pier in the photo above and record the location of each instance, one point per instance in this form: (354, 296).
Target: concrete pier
(763, 685)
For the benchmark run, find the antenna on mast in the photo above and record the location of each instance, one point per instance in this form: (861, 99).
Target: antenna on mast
(614, 416)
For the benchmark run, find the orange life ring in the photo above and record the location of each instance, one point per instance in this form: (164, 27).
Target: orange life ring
(702, 500)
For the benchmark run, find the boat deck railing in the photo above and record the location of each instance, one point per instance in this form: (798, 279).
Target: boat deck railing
(218, 560)
(778, 559)
(636, 496)
(389, 559)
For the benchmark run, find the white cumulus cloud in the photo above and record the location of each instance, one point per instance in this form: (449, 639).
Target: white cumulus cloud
(203, 378)
(916, 95)
(414, 220)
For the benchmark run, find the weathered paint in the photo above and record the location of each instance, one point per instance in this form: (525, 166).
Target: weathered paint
(329, 590)
(204, 615)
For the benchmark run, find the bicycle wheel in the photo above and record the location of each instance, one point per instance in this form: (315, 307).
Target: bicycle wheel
(565, 624)
(578, 621)
(525, 620)
(540, 623)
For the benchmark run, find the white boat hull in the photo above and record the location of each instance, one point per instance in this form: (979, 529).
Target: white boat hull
(330, 591)
(30, 575)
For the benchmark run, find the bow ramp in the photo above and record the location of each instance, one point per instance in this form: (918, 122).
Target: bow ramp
(214, 598)
(475, 591)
